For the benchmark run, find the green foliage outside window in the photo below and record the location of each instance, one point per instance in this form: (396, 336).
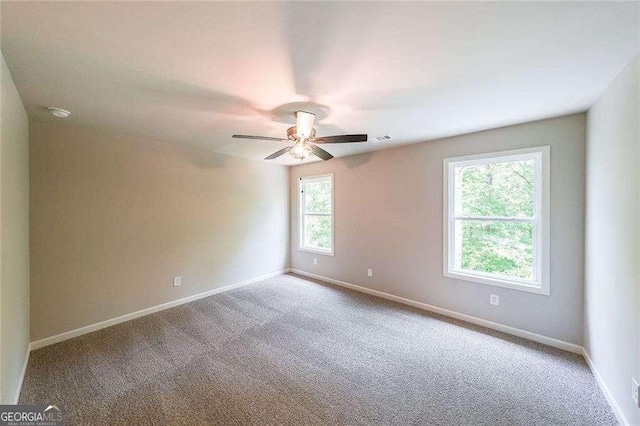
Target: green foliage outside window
(317, 219)
(496, 190)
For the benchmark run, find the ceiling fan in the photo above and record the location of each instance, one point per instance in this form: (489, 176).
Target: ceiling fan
(304, 140)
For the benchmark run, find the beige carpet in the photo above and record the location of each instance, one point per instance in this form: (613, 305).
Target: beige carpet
(291, 351)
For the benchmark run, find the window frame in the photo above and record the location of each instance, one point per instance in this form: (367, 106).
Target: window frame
(302, 214)
(540, 220)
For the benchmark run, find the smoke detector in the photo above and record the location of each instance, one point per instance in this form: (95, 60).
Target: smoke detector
(59, 112)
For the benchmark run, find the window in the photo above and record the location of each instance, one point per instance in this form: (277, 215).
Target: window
(316, 214)
(496, 219)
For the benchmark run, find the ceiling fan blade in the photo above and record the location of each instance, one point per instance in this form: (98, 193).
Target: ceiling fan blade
(321, 153)
(304, 123)
(261, 138)
(277, 153)
(341, 139)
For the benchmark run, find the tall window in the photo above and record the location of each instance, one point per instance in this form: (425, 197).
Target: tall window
(496, 228)
(316, 214)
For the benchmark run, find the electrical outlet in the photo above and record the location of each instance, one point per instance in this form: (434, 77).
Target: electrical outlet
(369, 272)
(315, 260)
(494, 299)
(634, 391)
(177, 281)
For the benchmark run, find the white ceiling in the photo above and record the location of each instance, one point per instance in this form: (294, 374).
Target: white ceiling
(195, 73)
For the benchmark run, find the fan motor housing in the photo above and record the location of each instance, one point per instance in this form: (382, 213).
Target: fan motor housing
(292, 133)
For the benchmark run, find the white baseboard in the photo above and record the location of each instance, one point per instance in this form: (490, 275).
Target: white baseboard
(549, 341)
(16, 397)
(489, 324)
(605, 390)
(452, 314)
(113, 321)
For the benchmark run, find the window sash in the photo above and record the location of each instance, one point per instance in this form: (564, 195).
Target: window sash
(496, 218)
(536, 269)
(506, 278)
(492, 161)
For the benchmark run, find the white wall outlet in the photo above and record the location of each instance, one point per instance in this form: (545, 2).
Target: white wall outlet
(634, 391)
(494, 299)
(369, 272)
(315, 260)
(177, 281)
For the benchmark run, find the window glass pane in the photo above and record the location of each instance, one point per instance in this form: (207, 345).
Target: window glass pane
(317, 232)
(501, 248)
(497, 189)
(317, 195)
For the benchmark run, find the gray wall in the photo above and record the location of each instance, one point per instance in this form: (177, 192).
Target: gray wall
(612, 310)
(14, 237)
(114, 218)
(388, 217)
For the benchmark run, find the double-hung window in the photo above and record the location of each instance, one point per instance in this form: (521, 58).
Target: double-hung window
(316, 214)
(496, 219)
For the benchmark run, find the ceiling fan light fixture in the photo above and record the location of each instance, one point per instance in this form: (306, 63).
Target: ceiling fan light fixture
(303, 137)
(300, 151)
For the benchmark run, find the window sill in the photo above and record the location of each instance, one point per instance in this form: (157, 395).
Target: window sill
(497, 282)
(317, 251)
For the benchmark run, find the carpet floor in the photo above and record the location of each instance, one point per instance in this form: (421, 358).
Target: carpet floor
(290, 350)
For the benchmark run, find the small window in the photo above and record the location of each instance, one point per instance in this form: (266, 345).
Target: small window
(316, 214)
(496, 219)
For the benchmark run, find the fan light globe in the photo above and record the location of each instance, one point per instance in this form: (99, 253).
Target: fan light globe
(300, 151)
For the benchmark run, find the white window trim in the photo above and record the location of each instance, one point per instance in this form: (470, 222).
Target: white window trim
(542, 234)
(301, 214)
